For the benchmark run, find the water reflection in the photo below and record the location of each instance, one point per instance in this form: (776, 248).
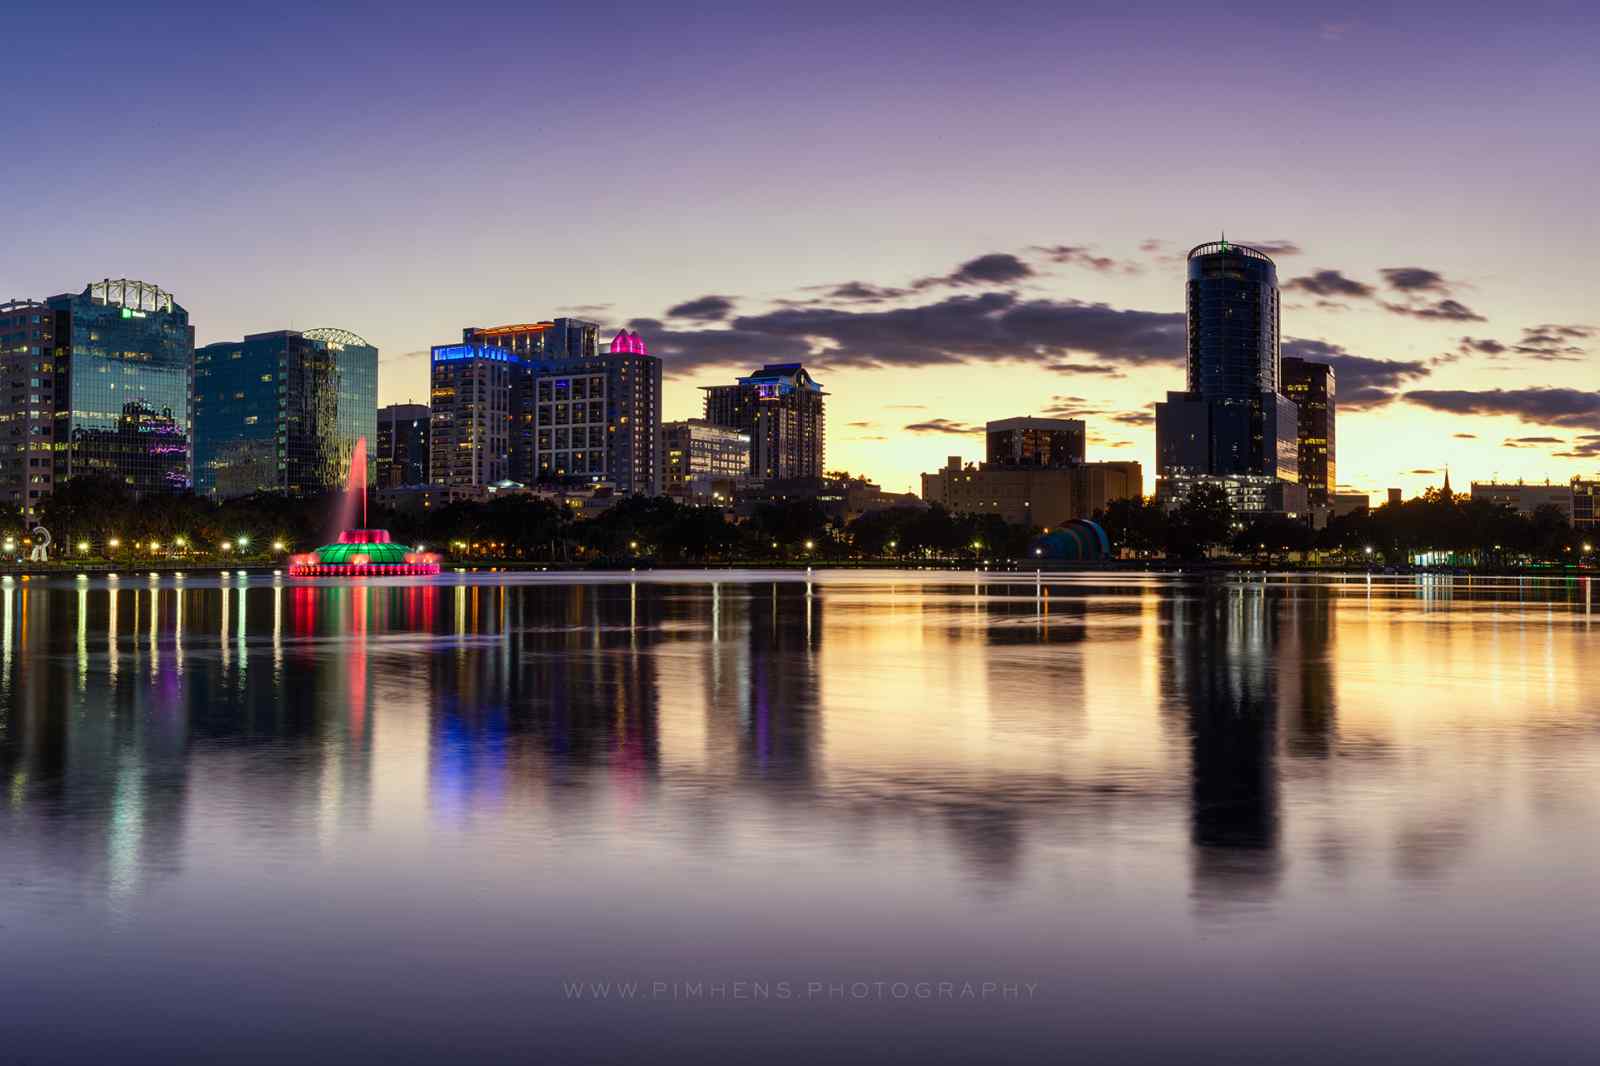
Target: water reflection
(1247, 744)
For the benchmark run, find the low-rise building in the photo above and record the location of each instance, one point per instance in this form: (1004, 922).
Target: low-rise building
(1525, 498)
(1032, 496)
(702, 462)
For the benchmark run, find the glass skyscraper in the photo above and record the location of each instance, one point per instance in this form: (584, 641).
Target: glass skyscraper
(123, 361)
(1232, 425)
(282, 411)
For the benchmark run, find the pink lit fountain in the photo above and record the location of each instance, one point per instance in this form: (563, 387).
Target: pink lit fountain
(361, 552)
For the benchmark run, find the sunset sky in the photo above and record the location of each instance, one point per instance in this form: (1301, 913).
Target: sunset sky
(949, 212)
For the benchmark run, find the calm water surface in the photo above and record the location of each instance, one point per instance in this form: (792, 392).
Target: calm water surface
(936, 817)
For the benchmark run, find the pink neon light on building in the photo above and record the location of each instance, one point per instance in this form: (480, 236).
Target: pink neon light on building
(625, 343)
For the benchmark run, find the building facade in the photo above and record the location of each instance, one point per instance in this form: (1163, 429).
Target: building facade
(1312, 388)
(122, 375)
(701, 461)
(780, 408)
(547, 415)
(1033, 496)
(27, 404)
(401, 456)
(282, 412)
(1232, 421)
(470, 414)
(1526, 499)
(1585, 503)
(1035, 442)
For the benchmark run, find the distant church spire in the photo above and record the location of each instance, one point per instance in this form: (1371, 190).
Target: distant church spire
(1447, 493)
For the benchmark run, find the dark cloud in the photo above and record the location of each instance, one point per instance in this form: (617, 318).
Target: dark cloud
(942, 425)
(861, 425)
(705, 309)
(993, 326)
(860, 292)
(1153, 246)
(996, 268)
(1520, 442)
(1135, 418)
(1415, 279)
(1587, 446)
(1554, 343)
(1447, 309)
(1465, 436)
(1084, 368)
(1277, 248)
(1360, 382)
(1561, 407)
(1424, 471)
(1329, 283)
(1070, 407)
(1482, 346)
(685, 350)
(1078, 255)
(585, 309)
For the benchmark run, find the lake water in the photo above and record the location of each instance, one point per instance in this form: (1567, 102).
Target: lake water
(760, 817)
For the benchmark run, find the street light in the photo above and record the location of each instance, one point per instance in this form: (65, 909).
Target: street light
(113, 543)
(810, 544)
(83, 546)
(277, 546)
(227, 545)
(244, 541)
(180, 541)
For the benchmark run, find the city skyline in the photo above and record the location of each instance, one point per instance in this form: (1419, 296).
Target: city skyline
(738, 220)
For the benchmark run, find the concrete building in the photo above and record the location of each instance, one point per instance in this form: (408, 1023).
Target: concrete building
(1526, 498)
(843, 497)
(535, 412)
(401, 455)
(780, 408)
(1038, 497)
(1585, 503)
(1343, 503)
(701, 462)
(1035, 442)
(27, 404)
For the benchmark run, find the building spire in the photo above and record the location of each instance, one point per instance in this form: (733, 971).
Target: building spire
(1447, 493)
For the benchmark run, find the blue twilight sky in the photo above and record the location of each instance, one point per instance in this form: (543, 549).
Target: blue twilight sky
(954, 212)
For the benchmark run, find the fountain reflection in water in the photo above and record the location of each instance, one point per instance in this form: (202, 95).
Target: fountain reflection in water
(361, 552)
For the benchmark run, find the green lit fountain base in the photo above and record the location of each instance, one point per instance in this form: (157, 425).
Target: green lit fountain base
(364, 553)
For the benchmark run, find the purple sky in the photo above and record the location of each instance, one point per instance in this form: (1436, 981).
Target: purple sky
(403, 173)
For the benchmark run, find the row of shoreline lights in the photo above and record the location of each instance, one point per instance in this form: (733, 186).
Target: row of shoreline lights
(113, 543)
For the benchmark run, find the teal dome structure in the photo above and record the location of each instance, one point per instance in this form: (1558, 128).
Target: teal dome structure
(363, 553)
(1078, 541)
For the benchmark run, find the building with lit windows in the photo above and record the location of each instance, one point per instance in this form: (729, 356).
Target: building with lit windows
(27, 404)
(1035, 442)
(1585, 503)
(1231, 426)
(401, 457)
(123, 366)
(1034, 496)
(1311, 387)
(780, 408)
(701, 461)
(534, 412)
(469, 432)
(282, 411)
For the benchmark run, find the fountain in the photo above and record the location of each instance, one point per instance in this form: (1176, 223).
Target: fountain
(361, 552)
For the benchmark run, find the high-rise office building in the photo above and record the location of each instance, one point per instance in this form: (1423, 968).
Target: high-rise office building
(122, 371)
(282, 411)
(536, 412)
(780, 408)
(401, 457)
(469, 432)
(699, 459)
(1232, 426)
(1311, 387)
(27, 404)
(1035, 442)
